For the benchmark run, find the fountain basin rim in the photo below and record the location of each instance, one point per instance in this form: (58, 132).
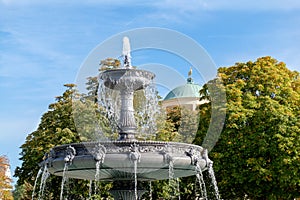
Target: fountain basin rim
(124, 70)
(117, 158)
(127, 143)
(126, 79)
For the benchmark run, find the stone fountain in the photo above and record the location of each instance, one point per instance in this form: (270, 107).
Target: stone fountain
(127, 160)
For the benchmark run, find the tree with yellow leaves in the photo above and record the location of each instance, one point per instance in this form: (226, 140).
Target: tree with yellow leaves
(258, 152)
(5, 181)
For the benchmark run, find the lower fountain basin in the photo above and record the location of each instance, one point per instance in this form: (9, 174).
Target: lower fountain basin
(116, 160)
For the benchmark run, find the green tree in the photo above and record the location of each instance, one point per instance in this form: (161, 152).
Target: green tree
(57, 127)
(258, 152)
(178, 124)
(23, 192)
(168, 125)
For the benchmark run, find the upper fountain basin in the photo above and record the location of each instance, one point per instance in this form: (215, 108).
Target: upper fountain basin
(126, 79)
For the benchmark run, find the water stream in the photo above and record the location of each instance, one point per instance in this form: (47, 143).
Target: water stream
(201, 182)
(35, 182)
(64, 178)
(146, 107)
(108, 99)
(148, 111)
(178, 188)
(90, 189)
(45, 176)
(135, 180)
(213, 181)
(172, 181)
(97, 175)
(150, 190)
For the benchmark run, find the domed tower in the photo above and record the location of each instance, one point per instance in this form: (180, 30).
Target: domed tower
(186, 95)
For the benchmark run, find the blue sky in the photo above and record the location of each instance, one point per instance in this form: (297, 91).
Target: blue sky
(44, 43)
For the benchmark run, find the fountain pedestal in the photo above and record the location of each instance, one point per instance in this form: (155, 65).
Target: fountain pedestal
(126, 190)
(127, 81)
(127, 122)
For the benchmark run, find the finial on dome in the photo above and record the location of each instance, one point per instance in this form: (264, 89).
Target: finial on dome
(190, 72)
(189, 79)
(126, 53)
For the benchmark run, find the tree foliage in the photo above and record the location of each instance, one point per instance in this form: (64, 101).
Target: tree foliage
(5, 181)
(167, 126)
(178, 124)
(258, 152)
(57, 127)
(109, 63)
(23, 191)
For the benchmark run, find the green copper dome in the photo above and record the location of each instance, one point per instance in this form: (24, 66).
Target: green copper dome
(190, 89)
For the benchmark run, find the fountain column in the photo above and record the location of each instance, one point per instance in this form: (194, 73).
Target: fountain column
(127, 122)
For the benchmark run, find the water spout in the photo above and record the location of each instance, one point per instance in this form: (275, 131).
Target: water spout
(98, 153)
(70, 155)
(150, 190)
(173, 183)
(35, 182)
(201, 182)
(126, 53)
(213, 180)
(135, 179)
(64, 178)
(45, 176)
(97, 175)
(178, 188)
(135, 157)
(90, 189)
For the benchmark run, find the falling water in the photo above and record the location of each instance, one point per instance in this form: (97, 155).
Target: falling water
(135, 179)
(64, 178)
(150, 190)
(201, 182)
(147, 107)
(45, 175)
(148, 110)
(213, 181)
(97, 174)
(178, 188)
(172, 181)
(111, 104)
(171, 169)
(35, 182)
(90, 189)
